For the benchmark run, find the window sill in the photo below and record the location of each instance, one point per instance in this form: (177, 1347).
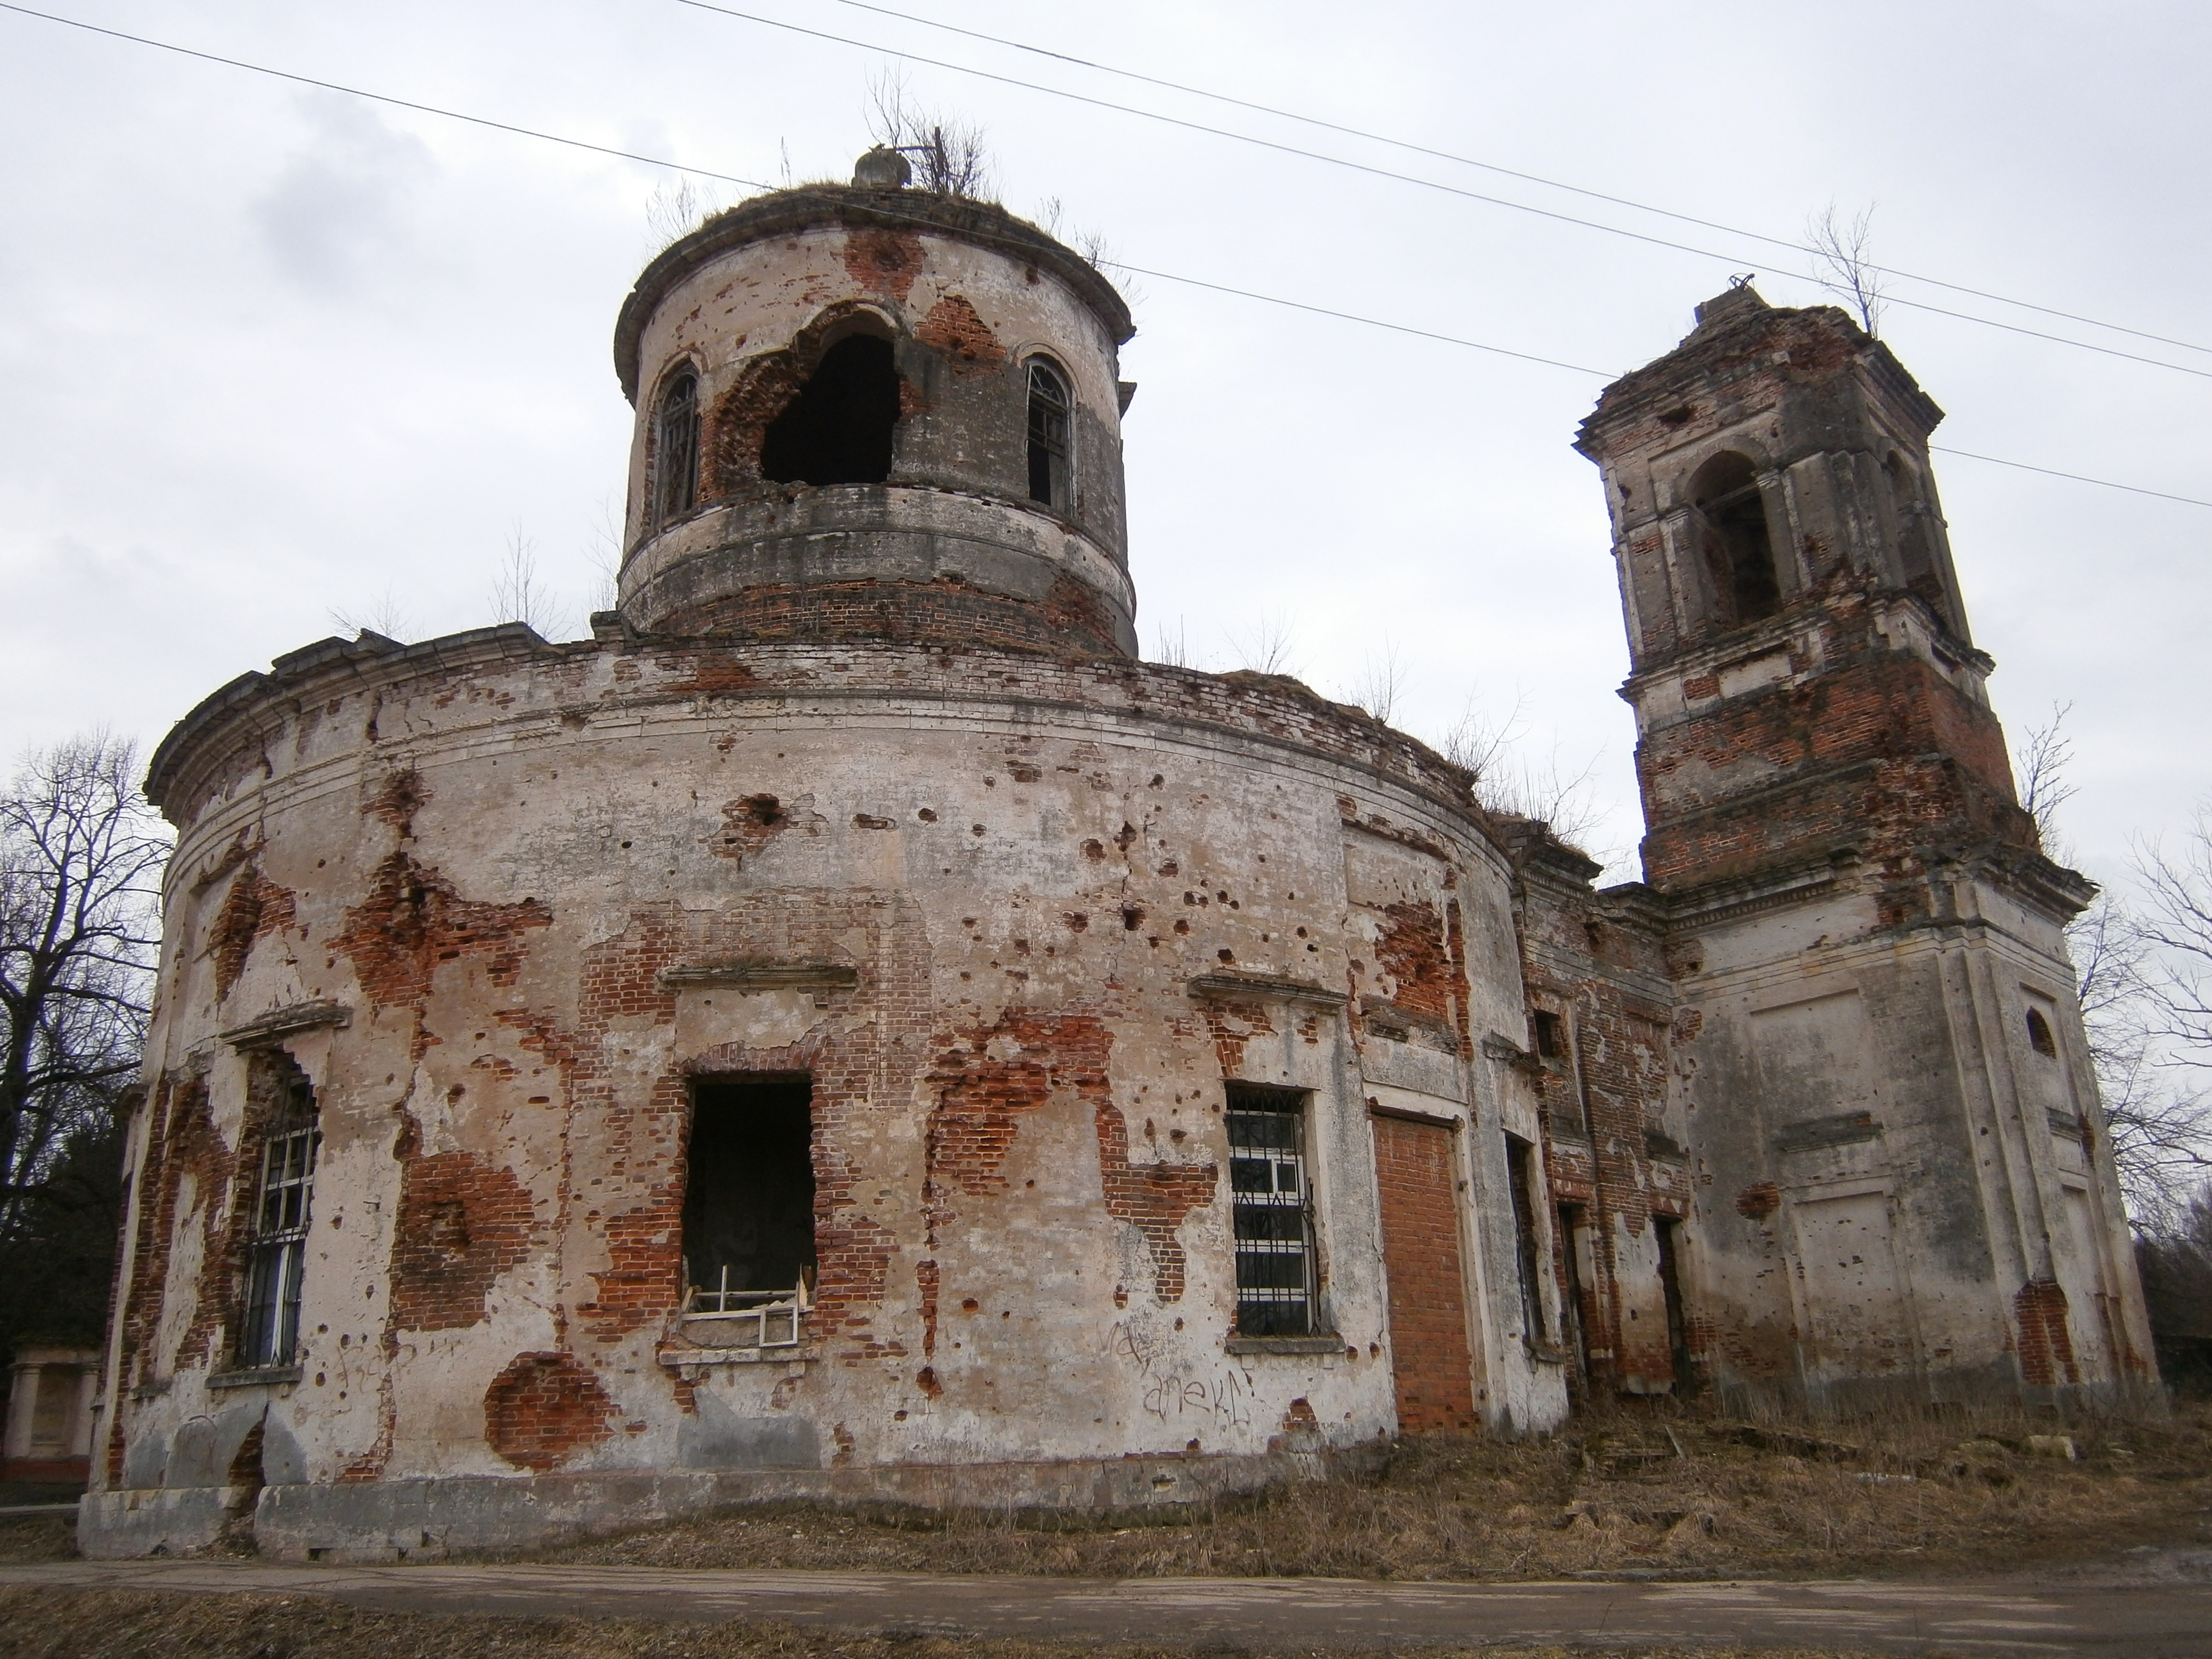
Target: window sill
(1325, 1343)
(1545, 1354)
(256, 1377)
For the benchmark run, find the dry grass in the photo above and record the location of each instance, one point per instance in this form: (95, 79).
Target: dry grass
(1641, 1493)
(37, 1537)
(42, 1623)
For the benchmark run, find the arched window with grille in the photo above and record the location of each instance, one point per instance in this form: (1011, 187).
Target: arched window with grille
(1049, 406)
(676, 449)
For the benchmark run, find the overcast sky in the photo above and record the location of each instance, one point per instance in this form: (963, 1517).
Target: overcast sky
(268, 353)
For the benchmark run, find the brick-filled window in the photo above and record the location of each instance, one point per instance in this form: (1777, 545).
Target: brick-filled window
(1521, 1178)
(278, 1250)
(748, 1193)
(676, 449)
(1271, 1210)
(1050, 405)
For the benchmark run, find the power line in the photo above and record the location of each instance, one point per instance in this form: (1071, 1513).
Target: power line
(2078, 477)
(1406, 178)
(921, 221)
(1503, 171)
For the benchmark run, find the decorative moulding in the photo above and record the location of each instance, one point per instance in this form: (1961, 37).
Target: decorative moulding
(1249, 987)
(283, 1022)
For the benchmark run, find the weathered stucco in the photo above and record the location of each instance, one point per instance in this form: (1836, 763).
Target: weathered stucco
(861, 802)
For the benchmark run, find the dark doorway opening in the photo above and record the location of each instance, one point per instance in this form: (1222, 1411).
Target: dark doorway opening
(1669, 1230)
(838, 428)
(748, 1189)
(1571, 1224)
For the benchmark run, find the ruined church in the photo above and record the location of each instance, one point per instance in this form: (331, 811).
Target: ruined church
(851, 1029)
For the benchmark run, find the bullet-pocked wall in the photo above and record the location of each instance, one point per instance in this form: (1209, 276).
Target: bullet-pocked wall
(1054, 955)
(877, 412)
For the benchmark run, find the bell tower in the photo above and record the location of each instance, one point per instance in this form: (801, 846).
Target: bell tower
(1906, 1188)
(875, 412)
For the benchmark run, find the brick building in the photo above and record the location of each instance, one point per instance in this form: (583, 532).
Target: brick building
(850, 1029)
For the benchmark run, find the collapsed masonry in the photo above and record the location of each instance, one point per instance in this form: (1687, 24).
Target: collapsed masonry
(851, 1029)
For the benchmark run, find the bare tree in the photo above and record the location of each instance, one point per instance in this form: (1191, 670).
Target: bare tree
(385, 614)
(674, 210)
(520, 594)
(1266, 646)
(80, 860)
(1171, 646)
(948, 157)
(1380, 685)
(1846, 267)
(2130, 989)
(2041, 760)
(2177, 923)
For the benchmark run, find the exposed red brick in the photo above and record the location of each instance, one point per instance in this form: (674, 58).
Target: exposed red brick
(1414, 1172)
(413, 921)
(2046, 1346)
(1154, 1196)
(1071, 621)
(749, 823)
(1758, 1202)
(885, 262)
(1411, 951)
(926, 1285)
(543, 1408)
(253, 908)
(953, 327)
(1233, 1025)
(462, 1223)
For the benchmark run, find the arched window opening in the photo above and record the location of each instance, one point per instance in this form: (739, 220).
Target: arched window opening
(2039, 1037)
(676, 450)
(1048, 407)
(1738, 550)
(838, 429)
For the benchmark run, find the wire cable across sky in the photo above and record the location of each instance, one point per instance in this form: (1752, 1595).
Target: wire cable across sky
(1162, 275)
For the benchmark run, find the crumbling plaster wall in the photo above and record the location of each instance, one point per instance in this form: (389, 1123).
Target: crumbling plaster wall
(1891, 1176)
(752, 320)
(479, 856)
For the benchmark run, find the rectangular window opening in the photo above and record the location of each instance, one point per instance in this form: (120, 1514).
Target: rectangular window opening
(749, 1205)
(1271, 1214)
(277, 1247)
(1521, 1176)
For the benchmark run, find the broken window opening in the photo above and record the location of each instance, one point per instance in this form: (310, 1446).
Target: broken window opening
(270, 1333)
(1550, 1035)
(1571, 1237)
(1668, 1229)
(2039, 1034)
(1048, 410)
(838, 429)
(1738, 547)
(676, 450)
(1271, 1214)
(1521, 1176)
(749, 1208)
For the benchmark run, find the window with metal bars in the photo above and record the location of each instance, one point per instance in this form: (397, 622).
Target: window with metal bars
(278, 1250)
(1272, 1212)
(1049, 405)
(676, 449)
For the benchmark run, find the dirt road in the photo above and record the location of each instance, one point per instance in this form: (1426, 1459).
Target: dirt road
(2157, 1606)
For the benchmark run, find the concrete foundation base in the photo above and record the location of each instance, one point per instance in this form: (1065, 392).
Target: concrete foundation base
(432, 1519)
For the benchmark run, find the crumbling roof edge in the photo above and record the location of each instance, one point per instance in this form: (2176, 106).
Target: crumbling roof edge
(785, 211)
